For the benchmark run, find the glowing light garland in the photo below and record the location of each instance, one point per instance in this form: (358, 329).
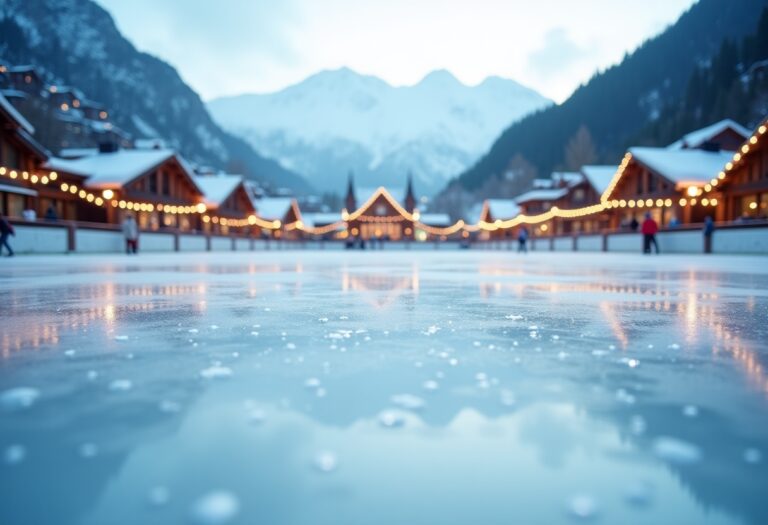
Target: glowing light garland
(106, 198)
(738, 158)
(342, 227)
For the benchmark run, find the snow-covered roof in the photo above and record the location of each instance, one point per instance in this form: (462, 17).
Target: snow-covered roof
(22, 69)
(363, 194)
(503, 208)
(683, 166)
(273, 208)
(569, 178)
(113, 170)
(149, 144)
(77, 153)
(217, 188)
(13, 93)
(320, 219)
(599, 176)
(542, 183)
(435, 219)
(474, 214)
(11, 111)
(69, 90)
(697, 138)
(542, 195)
(19, 190)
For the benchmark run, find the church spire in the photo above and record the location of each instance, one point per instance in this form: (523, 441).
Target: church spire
(350, 202)
(410, 196)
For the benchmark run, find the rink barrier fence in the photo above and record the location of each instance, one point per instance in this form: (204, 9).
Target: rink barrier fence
(39, 237)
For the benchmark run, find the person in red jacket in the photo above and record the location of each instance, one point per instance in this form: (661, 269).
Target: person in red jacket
(649, 231)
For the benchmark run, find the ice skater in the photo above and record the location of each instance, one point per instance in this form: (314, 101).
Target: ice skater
(6, 230)
(131, 233)
(522, 240)
(649, 231)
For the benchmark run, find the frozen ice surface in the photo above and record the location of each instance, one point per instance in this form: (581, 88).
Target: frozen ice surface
(383, 387)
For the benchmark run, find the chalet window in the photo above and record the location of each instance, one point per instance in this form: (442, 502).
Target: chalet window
(153, 182)
(166, 182)
(9, 156)
(578, 195)
(640, 177)
(651, 183)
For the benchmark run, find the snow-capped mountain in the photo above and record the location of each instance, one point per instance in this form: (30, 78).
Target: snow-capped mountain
(76, 42)
(340, 121)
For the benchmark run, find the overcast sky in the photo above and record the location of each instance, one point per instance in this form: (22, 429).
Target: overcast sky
(229, 47)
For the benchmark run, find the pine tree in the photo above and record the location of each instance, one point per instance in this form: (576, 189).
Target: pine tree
(580, 150)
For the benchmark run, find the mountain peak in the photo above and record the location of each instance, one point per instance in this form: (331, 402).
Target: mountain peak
(343, 77)
(340, 120)
(440, 77)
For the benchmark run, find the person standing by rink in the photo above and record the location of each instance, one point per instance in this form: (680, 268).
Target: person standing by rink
(6, 230)
(522, 240)
(709, 229)
(649, 231)
(131, 233)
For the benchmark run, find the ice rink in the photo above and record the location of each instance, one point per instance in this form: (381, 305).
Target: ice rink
(383, 388)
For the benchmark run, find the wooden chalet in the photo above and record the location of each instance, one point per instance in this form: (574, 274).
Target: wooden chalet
(539, 201)
(226, 199)
(25, 79)
(589, 191)
(667, 183)
(725, 135)
(498, 210)
(284, 210)
(156, 186)
(382, 213)
(741, 185)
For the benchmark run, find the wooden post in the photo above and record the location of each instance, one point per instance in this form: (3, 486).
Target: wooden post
(208, 242)
(605, 242)
(176, 241)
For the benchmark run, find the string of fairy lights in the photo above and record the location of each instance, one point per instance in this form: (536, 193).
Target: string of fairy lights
(694, 196)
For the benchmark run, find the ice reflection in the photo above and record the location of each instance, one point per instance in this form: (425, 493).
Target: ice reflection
(419, 389)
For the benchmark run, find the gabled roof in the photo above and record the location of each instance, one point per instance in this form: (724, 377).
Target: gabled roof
(567, 178)
(699, 137)
(503, 208)
(273, 208)
(599, 177)
(7, 108)
(113, 170)
(363, 194)
(77, 153)
(435, 219)
(540, 184)
(217, 188)
(542, 195)
(384, 193)
(22, 69)
(684, 165)
(320, 219)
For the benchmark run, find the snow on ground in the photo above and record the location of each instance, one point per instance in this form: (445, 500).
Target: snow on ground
(387, 387)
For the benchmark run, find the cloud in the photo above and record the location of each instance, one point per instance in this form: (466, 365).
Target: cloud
(230, 47)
